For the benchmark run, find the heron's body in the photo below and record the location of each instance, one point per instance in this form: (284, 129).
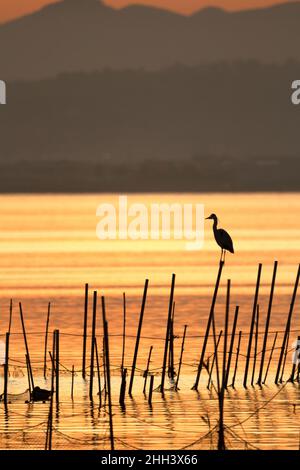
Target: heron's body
(222, 237)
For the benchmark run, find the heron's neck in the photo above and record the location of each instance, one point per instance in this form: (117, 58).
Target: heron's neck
(215, 224)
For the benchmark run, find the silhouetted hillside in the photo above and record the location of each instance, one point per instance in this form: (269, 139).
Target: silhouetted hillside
(85, 35)
(218, 127)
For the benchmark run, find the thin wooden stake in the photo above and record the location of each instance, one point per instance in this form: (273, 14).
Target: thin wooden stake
(151, 389)
(265, 340)
(106, 339)
(181, 357)
(236, 359)
(124, 332)
(72, 385)
(288, 325)
(123, 388)
(284, 359)
(98, 373)
(252, 326)
(270, 358)
(57, 365)
(104, 369)
(46, 341)
(147, 369)
(209, 321)
(255, 345)
(214, 358)
(171, 369)
(93, 345)
(85, 320)
(161, 389)
(224, 368)
(231, 344)
(26, 344)
(6, 368)
(138, 338)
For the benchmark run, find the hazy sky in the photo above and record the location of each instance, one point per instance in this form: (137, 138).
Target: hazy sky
(12, 8)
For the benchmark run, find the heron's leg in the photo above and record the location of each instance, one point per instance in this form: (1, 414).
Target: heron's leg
(224, 255)
(221, 255)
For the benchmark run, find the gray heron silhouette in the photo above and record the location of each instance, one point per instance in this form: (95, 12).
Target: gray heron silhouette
(222, 237)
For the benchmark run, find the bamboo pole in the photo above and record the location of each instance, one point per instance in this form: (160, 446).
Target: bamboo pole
(284, 359)
(123, 388)
(147, 369)
(124, 332)
(46, 341)
(255, 345)
(210, 318)
(181, 357)
(213, 360)
(288, 325)
(224, 368)
(93, 345)
(28, 377)
(236, 359)
(161, 388)
(98, 373)
(85, 321)
(270, 357)
(6, 365)
(26, 345)
(104, 369)
(106, 339)
(57, 365)
(252, 326)
(171, 369)
(231, 344)
(72, 384)
(265, 340)
(138, 337)
(151, 390)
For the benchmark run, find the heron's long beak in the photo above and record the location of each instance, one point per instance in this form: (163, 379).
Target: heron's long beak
(206, 218)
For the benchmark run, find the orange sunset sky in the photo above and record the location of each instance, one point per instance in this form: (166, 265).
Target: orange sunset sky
(10, 9)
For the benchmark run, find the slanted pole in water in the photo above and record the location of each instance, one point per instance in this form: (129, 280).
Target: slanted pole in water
(181, 357)
(46, 341)
(270, 357)
(209, 321)
(252, 326)
(123, 388)
(284, 359)
(224, 368)
(106, 340)
(6, 368)
(136, 349)
(124, 332)
(147, 369)
(265, 340)
(171, 369)
(93, 345)
(151, 389)
(255, 345)
(288, 325)
(104, 369)
(214, 358)
(72, 384)
(98, 373)
(28, 376)
(26, 344)
(168, 329)
(236, 314)
(85, 320)
(57, 365)
(236, 359)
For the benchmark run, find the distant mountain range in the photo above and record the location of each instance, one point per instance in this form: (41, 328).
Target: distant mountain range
(86, 35)
(221, 127)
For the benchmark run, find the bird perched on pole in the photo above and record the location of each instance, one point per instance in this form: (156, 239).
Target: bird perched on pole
(222, 238)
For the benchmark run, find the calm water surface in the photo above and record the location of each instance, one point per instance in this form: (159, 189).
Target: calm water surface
(49, 250)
